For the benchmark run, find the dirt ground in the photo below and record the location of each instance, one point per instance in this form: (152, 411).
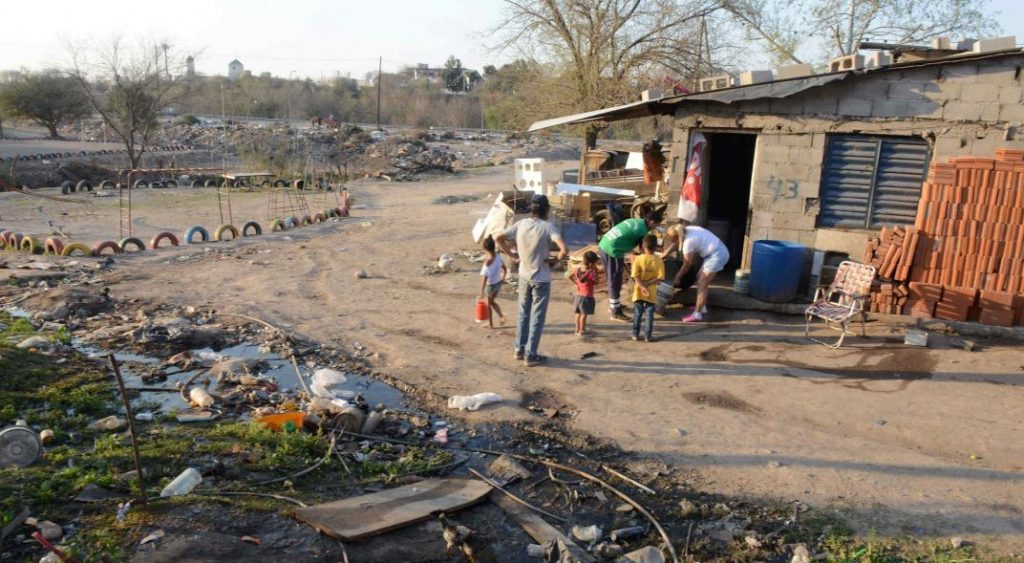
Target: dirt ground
(904, 440)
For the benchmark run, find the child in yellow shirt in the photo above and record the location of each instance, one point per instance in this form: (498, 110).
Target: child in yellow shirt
(648, 270)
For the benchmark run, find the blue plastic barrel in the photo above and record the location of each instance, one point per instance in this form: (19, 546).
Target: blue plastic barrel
(775, 269)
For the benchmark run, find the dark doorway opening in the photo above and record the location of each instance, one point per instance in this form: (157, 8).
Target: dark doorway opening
(730, 167)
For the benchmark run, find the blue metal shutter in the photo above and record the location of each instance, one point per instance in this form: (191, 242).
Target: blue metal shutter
(868, 181)
(900, 173)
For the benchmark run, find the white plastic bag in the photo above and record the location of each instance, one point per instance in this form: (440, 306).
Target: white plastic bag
(324, 379)
(472, 402)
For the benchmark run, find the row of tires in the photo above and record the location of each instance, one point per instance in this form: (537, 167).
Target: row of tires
(10, 240)
(70, 154)
(69, 187)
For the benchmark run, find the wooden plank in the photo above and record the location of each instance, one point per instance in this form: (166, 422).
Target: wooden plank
(537, 528)
(363, 516)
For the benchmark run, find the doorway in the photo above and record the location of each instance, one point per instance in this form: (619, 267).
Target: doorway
(729, 170)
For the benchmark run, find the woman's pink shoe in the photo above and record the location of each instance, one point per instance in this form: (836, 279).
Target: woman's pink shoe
(693, 317)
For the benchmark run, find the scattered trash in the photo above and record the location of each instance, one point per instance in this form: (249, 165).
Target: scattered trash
(19, 447)
(445, 262)
(553, 540)
(183, 483)
(122, 510)
(152, 537)
(968, 345)
(283, 422)
(645, 555)
(456, 535)
(325, 378)
(586, 355)
(800, 554)
(752, 542)
(627, 533)
(196, 416)
(687, 508)
(536, 551)
(251, 539)
(508, 469)
(361, 274)
(588, 534)
(472, 402)
(367, 515)
(110, 423)
(916, 338)
(35, 342)
(441, 436)
(624, 508)
(144, 416)
(200, 397)
(880, 422)
(50, 531)
(372, 421)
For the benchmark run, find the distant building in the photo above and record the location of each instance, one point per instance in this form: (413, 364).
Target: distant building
(235, 70)
(422, 71)
(190, 66)
(264, 74)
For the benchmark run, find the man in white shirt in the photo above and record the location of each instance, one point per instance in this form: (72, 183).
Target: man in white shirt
(533, 237)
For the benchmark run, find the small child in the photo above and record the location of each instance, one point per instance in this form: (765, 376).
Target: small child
(648, 271)
(492, 275)
(585, 277)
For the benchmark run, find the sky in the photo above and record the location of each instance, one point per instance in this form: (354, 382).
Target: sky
(303, 38)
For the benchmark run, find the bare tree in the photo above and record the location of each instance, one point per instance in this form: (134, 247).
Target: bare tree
(129, 88)
(841, 25)
(50, 98)
(603, 46)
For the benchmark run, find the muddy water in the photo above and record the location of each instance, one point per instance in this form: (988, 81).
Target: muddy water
(275, 368)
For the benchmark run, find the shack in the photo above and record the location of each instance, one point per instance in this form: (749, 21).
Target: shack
(826, 160)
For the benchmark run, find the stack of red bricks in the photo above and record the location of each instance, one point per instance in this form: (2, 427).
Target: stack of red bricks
(968, 263)
(892, 255)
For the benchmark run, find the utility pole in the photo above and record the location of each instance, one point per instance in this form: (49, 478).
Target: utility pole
(380, 82)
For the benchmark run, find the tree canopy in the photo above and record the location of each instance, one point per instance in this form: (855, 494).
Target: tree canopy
(50, 98)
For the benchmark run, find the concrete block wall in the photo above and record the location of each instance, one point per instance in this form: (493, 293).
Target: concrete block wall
(968, 108)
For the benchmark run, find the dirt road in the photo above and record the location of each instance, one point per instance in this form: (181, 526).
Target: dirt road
(907, 440)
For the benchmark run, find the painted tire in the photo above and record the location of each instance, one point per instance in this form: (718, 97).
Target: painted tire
(341, 211)
(171, 184)
(266, 184)
(204, 235)
(107, 185)
(218, 235)
(132, 241)
(307, 220)
(195, 184)
(319, 218)
(31, 245)
(277, 225)
(257, 230)
(3, 238)
(67, 187)
(53, 246)
(299, 184)
(330, 213)
(155, 242)
(291, 222)
(70, 249)
(14, 241)
(99, 247)
(280, 184)
(209, 184)
(83, 186)
(139, 184)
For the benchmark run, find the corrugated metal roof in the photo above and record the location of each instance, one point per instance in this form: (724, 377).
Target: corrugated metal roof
(775, 89)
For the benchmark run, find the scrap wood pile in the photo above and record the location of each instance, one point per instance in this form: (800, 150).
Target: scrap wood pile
(964, 257)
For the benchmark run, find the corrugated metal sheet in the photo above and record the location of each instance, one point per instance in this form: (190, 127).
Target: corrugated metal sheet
(869, 182)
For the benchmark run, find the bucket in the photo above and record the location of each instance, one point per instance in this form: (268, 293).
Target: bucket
(665, 293)
(481, 310)
(775, 270)
(290, 421)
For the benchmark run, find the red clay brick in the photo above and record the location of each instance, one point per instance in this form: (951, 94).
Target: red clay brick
(997, 317)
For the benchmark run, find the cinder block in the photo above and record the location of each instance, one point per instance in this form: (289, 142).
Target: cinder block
(717, 82)
(848, 62)
(940, 43)
(964, 73)
(994, 44)
(877, 59)
(854, 107)
(980, 92)
(755, 76)
(1011, 112)
(793, 71)
(822, 105)
(962, 111)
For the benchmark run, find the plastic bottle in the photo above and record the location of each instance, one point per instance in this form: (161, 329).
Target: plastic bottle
(472, 402)
(183, 483)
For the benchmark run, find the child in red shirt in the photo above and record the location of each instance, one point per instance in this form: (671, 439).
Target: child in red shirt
(585, 277)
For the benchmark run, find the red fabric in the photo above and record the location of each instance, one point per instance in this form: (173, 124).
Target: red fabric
(692, 184)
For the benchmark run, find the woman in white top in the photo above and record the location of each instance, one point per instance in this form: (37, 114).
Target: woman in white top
(693, 242)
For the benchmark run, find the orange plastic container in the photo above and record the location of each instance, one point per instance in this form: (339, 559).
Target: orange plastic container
(481, 311)
(280, 421)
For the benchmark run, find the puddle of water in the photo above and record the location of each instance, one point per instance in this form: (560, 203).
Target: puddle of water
(18, 313)
(276, 369)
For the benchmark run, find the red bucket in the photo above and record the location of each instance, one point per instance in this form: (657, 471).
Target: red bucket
(481, 310)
